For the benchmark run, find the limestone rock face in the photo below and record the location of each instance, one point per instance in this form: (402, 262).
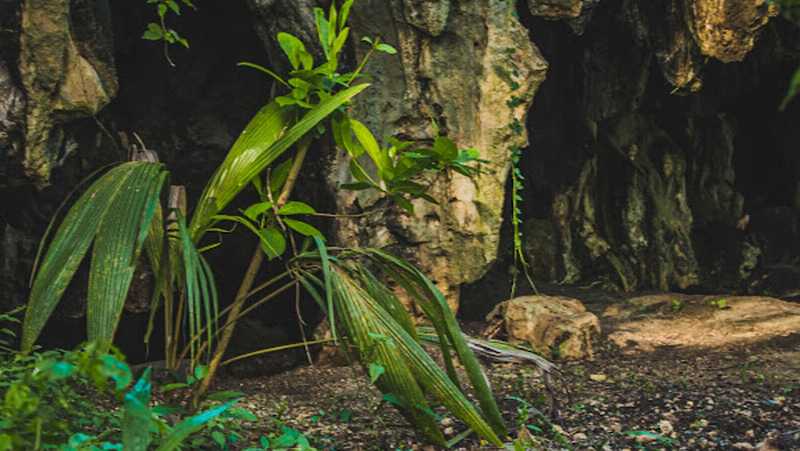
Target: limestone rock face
(556, 9)
(727, 29)
(67, 69)
(460, 64)
(685, 32)
(12, 114)
(552, 325)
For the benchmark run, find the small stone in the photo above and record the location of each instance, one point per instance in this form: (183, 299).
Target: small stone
(580, 437)
(449, 431)
(598, 377)
(446, 421)
(665, 427)
(616, 427)
(750, 433)
(742, 446)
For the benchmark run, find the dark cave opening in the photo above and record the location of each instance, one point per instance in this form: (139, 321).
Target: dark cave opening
(597, 79)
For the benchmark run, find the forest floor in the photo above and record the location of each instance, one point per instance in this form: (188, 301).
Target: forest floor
(729, 396)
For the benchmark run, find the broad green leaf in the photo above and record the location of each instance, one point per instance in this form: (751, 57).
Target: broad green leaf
(344, 13)
(254, 211)
(445, 148)
(293, 48)
(323, 31)
(370, 144)
(386, 48)
(264, 140)
(154, 32)
(296, 208)
(302, 228)
(191, 425)
(272, 242)
(338, 44)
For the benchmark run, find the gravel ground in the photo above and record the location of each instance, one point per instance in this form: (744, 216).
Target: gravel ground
(673, 398)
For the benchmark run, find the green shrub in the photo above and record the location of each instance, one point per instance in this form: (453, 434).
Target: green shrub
(87, 400)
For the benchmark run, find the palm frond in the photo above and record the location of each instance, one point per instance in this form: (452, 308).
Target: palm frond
(382, 333)
(115, 213)
(266, 137)
(436, 309)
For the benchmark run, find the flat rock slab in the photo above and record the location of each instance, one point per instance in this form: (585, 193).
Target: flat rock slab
(677, 320)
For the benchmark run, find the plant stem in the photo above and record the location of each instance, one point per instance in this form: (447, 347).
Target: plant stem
(249, 279)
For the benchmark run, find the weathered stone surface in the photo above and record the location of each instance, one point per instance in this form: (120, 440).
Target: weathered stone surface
(12, 116)
(727, 29)
(556, 9)
(463, 77)
(541, 247)
(672, 319)
(64, 78)
(429, 16)
(552, 325)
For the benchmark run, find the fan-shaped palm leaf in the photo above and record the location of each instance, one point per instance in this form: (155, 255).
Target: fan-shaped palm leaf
(115, 213)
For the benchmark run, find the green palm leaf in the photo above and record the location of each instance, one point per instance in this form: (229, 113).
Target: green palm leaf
(434, 306)
(117, 245)
(266, 137)
(116, 212)
(381, 336)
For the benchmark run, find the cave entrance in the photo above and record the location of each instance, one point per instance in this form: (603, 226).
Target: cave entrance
(736, 155)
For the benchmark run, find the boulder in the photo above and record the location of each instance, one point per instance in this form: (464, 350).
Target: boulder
(470, 67)
(555, 326)
(67, 69)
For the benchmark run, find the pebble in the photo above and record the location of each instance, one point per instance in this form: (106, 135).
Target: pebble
(742, 446)
(449, 431)
(580, 437)
(665, 427)
(446, 421)
(598, 377)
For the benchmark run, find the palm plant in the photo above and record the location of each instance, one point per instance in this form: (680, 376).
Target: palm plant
(121, 214)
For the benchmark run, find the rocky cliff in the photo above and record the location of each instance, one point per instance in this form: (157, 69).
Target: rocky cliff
(653, 149)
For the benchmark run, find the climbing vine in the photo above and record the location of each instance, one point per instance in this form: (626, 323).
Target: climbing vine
(517, 182)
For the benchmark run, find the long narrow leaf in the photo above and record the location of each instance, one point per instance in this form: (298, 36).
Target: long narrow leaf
(117, 246)
(263, 140)
(76, 233)
(361, 315)
(435, 305)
